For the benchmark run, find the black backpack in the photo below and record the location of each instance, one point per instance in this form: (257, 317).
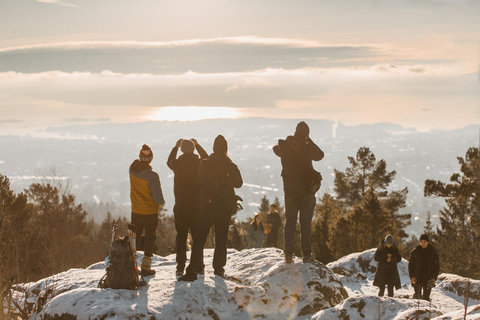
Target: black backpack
(122, 271)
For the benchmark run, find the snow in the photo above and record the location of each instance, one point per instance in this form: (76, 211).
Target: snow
(259, 284)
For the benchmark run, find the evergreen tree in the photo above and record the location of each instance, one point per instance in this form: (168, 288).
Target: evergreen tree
(458, 234)
(325, 213)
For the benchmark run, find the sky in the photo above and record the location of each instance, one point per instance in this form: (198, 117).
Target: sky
(413, 63)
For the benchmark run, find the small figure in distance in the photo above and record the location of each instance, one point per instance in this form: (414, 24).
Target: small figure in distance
(300, 183)
(387, 257)
(423, 268)
(273, 225)
(233, 239)
(255, 233)
(186, 188)
(147, 200)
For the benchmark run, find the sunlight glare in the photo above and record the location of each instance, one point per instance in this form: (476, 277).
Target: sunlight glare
(195, 113)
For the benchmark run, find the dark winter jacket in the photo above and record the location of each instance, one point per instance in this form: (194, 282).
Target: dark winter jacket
(387, 272)
(424, 264)
(255, 235)
(274, 219)
(218, 178)
(186, 181)
(145, 189)
(296, 154)
(234, 240)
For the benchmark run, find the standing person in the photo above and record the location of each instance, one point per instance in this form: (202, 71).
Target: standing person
(387, 257)
(233, 238)
(218, 178)
(423, 268)
(186, 188)
(300, 182)
(255, 233)
(274, 223)
(147, 199)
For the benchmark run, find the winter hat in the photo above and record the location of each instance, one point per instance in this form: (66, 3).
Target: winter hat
(424, 237)
(389, 239)
(220, 145)
(187, 146)
(302, 129)
(146, 154)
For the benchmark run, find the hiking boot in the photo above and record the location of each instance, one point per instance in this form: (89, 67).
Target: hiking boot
(146, 270)
(188, 277)
(221, 274)
(288, 258)
(308, 258)
(200, 271)
(179, 273)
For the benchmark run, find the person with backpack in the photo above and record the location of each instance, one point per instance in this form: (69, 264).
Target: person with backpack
(186, 188)
(255, 233)
(147, 199)
(274, 223)
(218, 178)
(387, 257)
(423, 268)
(300, 183)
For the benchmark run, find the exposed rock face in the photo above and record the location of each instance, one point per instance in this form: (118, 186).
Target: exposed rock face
(458, 285)
(259, 284)
(365, 307)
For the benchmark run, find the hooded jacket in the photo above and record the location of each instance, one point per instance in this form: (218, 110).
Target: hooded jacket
(297, 154)
(145, 189)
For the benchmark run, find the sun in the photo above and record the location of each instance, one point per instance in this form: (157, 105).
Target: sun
(193, 113)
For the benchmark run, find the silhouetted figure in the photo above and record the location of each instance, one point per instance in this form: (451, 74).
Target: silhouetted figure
(387, 257)
(147, 199)
(423, 268)
(300, 182)
(187, 193)
(218, 177)
(233, 239)
(272, 227)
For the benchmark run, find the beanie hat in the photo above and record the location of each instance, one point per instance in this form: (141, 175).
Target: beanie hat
(424, 237)
(389, 239)
(220, 145)
(187, 146)
(302, 129)
(146, 154)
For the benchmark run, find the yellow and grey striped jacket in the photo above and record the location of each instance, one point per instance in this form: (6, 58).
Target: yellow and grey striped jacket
(145, 189)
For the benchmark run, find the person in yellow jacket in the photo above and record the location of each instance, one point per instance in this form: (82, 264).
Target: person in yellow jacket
(147, 199)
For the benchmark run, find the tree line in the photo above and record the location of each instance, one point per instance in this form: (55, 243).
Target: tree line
(43, 231)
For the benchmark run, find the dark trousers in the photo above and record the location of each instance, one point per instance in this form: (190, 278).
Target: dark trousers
(390, 290)
(295, 203)
(199, 234)
(419, 287)
(184, 220)
(272, 239)
(146, 224)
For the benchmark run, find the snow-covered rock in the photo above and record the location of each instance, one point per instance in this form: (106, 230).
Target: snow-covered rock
(473, 313)
(259, 284)
(458, 285)
(368, 307)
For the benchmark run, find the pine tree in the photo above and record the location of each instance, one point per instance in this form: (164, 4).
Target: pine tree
(458, 235)
(325, 213)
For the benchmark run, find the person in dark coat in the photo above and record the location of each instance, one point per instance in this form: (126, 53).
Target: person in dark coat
(186, 188)
(218, 178)
(255, 233)
(387, 257)
(233, 239)
(273, 224)
(296, 153)
(423, 268)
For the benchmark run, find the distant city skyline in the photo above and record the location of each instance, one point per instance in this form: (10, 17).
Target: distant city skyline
(412, 63)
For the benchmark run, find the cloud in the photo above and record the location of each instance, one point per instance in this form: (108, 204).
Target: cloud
(86, 120)
(10, 121)
(58, 2)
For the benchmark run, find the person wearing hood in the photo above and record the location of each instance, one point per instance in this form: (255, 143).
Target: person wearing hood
(300, 182)
(423, 268)
(387, 257)
(219, 176)
(186, 188)
(274, 223)
(255, 233)
(147, 199)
